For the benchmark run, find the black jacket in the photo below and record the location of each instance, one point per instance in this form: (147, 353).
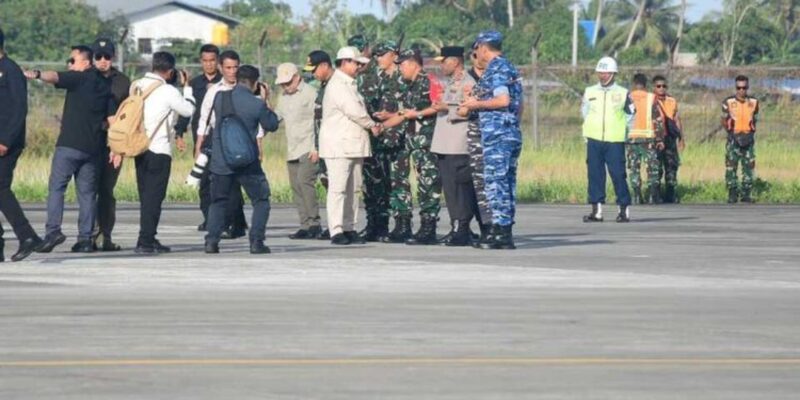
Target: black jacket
(13, 104)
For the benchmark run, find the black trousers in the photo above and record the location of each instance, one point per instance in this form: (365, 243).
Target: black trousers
(222, 189)
(234, 213)
(152, 177)
(106, 202)
(459, 191)
(8, 201)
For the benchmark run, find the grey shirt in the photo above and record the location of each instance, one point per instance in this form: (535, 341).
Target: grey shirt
(296, 111)
(254, 114)
(450, 134)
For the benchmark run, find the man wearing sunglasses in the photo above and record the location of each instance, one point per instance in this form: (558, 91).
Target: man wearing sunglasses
(107, 172)
(669, 158)
(739, 115)
(88, 109)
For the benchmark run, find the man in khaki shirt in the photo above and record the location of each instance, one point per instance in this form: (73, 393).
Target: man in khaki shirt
(296, 111)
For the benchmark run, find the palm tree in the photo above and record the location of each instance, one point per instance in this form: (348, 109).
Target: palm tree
(650, 24)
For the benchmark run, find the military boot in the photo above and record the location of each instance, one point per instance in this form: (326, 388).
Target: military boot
(624, 214)
(491, 243)
(461, 235)
(426, 235)
(596, 215)
(637, 196)
(503, 239)
(401, 231)
(655, 194)
(669, 195)
(2, 248)
(444, 240)
(486, 238)
(373, 231)
(733, 196)
(746, 197)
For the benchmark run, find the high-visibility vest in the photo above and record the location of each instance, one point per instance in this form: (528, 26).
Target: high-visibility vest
(606, 120)
(670, 107)
(743, 114)
(642, 127)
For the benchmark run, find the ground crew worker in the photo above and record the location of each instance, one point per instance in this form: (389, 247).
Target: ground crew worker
(499, 107)
(674, 143)
(107, 174)
(320, 66)
(739, 115)
(418, 119)
(645, 140)
(606, 109)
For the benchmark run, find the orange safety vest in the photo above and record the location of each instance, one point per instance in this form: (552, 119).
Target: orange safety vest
(642, 127)
(743, 114)
(670, 107)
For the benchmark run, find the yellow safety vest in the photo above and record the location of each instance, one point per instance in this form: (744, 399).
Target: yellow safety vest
(606, 119)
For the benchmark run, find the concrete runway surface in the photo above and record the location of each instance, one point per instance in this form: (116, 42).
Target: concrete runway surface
(685, 302)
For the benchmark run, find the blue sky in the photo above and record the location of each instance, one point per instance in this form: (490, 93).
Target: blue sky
(697, 8)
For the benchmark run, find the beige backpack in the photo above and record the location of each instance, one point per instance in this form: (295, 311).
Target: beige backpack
(126, 135)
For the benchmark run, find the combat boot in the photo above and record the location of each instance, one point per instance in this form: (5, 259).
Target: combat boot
(624, 214)
(444, 240)
(655, 194)
(733, 196)
(461, 235)
(669, 195)
(746, 197)
(491, 243)
(637, 196)
(504, 240)
(368, 233)
(426, 235)
(2, 248)
(377, 229)
(596, 215)
(401, 231)
(486, 238)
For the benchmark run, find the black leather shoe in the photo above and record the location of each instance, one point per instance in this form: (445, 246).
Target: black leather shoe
(27, 247)
(340, 239)
(202, 227)
(354, 238)
(108, 245)
(301, 234)
(83, 246)
(50, 242)
(160, 248)
(212, 248)
(231, 234)
(324, 235)
(142, 249)
(259, 248)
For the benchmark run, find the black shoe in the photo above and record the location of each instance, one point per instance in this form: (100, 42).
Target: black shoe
(669, 195)
(230, 234)
(485, 239)
(324, 235)
(460, 236)
(212, 248)
(83, 246)
(259, 248)
(340, 239)
(733, 196)
(489, 243)
(301, 234)
(50, 242)
(108, 245)
(27, 247)
(746, 197)
(143, 249)
(401, 231)
(375, 231)
(595, 216)
(314, 232)
(624, 214)
(655, 194)
(426, 235)
(202, 227)
(503, 239)
(354, 237)
(160, 248)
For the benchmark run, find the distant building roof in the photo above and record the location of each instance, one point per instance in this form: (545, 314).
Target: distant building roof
(129, 8)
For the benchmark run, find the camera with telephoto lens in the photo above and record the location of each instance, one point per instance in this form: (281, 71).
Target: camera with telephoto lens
(199, 168)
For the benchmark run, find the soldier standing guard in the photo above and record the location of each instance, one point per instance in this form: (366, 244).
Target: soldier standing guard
(739, 113)
(645, 140)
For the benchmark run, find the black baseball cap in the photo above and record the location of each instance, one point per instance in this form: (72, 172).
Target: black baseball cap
(316, 58)
(450, 51)
(103, 46)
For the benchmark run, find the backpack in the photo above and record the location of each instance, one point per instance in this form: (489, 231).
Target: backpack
(126, 135)
(239, 149)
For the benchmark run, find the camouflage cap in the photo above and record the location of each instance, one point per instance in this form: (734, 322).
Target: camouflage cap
(385, 46)
(409, 54)
(487, 37)
(358, 41)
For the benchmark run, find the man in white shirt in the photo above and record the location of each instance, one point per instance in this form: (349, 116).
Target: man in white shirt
(344, 143)
(296, 111)
(153, 166)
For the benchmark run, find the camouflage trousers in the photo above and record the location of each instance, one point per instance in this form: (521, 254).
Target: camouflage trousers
(669, 160)
(429, 183)
(475, 147)
(378, 183)
(500, 172)
(735, 155)
(637, 153)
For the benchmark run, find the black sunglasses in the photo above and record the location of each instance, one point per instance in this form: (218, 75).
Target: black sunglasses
(742, 87)
(98, 57)
(70, 61)
(662, 86)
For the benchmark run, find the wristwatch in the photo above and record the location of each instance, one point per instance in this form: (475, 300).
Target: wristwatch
(37, 73)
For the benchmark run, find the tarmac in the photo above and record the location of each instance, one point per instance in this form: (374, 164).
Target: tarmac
(684, 302)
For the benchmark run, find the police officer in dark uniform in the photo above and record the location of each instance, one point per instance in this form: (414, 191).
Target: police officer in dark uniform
(107, 174)
(13, 110)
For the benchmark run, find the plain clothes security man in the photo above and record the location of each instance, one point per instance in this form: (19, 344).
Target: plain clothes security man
(154, 165)
(209, 60)
(344, 143)
(607, 109)
(13, 110)
(235, 223)
(645, 141)
(296, 110)
(107, 171)
(739, 117)
(674, 142)
(88, 106)
(252, 112)
(451, 148)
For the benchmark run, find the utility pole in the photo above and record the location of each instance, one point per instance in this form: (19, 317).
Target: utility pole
(575, 9)
(534, 99)
(121, 57)
(597, 22)
(510, 13)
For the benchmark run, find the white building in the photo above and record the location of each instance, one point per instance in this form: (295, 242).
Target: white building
(154, 22)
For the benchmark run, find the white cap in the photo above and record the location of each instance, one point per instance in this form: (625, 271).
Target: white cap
(607, 64)
(286, 72)
(351, 53)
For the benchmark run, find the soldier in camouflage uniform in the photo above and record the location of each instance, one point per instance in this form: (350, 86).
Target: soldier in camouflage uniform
(319, 64)
(379, 85)
(739, 115)
(645, 140)
(674, 143)
(498, 103)
(476, 158)
(417, 118)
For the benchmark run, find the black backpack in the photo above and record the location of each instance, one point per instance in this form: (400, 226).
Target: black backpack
(239, 149)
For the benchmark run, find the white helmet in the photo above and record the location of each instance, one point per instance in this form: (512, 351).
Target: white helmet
(607, 64)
